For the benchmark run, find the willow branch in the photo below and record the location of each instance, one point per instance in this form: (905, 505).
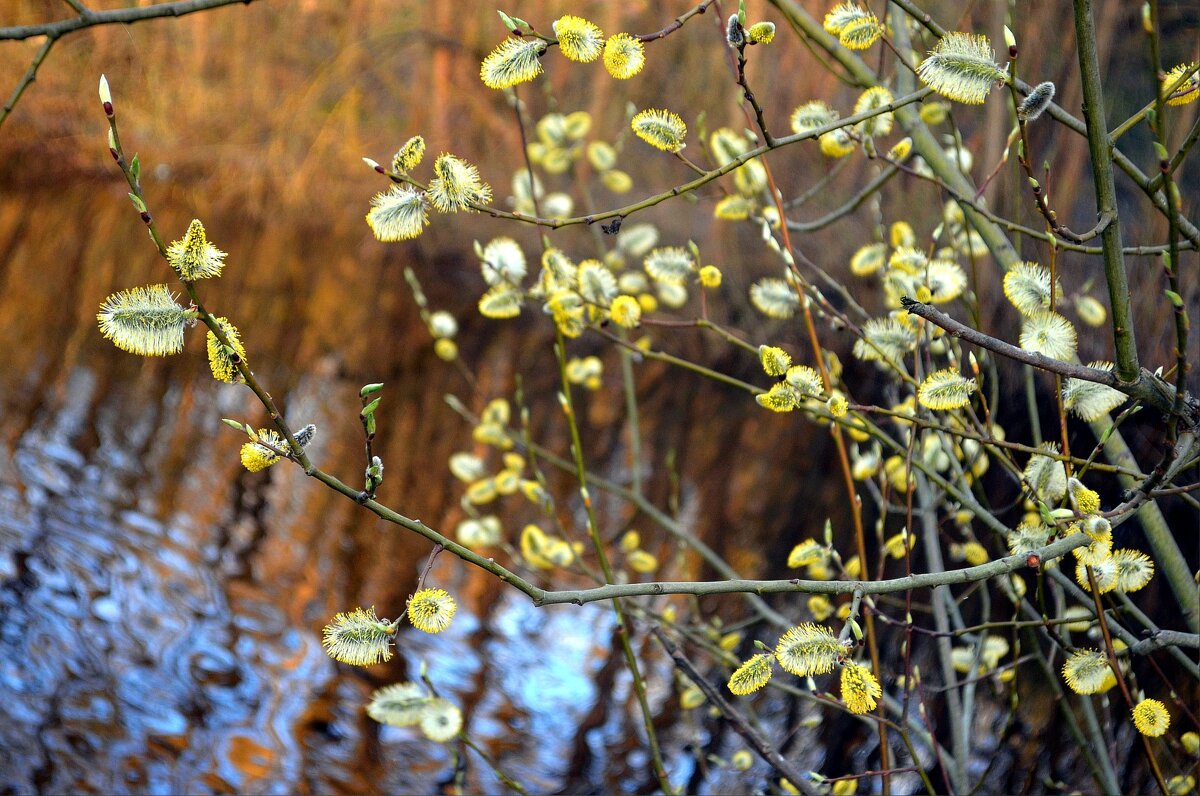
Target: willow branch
(850, 206)
(1166, 638)
(28, 78)
(677, 23)
(1145, 387)
(117, 16)
(1001, 566)
(679, 190)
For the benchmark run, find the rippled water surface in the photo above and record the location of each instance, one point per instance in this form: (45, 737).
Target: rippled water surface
(149, 652)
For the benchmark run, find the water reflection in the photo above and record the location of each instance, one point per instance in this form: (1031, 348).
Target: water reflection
(144, 654)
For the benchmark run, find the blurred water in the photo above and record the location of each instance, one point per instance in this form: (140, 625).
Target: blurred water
(150, 653)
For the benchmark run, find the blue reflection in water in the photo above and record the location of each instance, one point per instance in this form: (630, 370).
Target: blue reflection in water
(124, 667)
(141, 653)
(555, 684)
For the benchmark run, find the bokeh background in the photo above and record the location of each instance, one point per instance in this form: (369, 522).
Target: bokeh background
(162, 607)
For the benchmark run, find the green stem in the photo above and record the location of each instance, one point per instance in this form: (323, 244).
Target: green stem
(1171, 190)
(629, 388)
(1031, 406)
(1100, 147)
(1189, 141)
(1154, 104)
(624, 632)
(508, 781)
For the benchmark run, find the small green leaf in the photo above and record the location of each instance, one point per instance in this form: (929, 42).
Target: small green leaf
(1161, 151)
(370, 389)
(138, 204)
(135, 168)
(1175, 298)
(235, 425)
(370, 408)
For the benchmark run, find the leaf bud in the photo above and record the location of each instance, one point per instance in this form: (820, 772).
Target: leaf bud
(106, 97)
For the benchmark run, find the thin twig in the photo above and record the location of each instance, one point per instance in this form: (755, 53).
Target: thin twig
(676, 24)
(28, 78)
(116, 16)
(760, 744)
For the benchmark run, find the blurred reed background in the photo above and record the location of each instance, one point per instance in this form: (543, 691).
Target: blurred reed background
(119, 484)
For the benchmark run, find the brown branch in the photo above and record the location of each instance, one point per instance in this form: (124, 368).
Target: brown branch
(1147, 387)
(117, 16)
(676, 24)
(28, 78)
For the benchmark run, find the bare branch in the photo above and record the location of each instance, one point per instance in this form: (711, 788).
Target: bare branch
(117, 16)
(1001, 566)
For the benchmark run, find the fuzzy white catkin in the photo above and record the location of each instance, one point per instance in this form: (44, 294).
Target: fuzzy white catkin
(1036, 102)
